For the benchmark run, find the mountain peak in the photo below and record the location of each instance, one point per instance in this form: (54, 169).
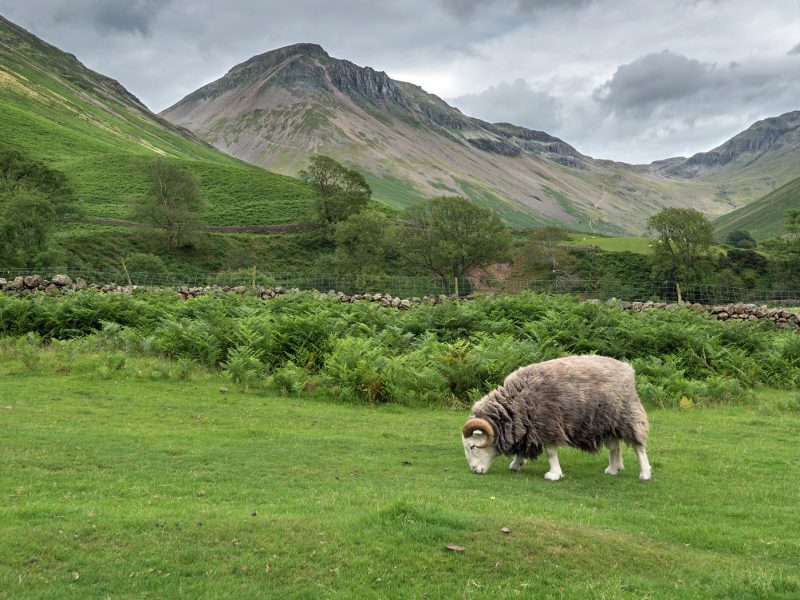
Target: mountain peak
(279, 55)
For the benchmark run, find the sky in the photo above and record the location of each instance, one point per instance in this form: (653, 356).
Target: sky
(629, 80)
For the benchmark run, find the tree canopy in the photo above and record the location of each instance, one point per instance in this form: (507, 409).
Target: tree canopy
(741, 239)
(173, 202)
(684, 236)
(448, 236)
(341, 192)
(33, 198)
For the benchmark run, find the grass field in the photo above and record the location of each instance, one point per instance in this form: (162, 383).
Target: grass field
(639, 245)
(129, 478)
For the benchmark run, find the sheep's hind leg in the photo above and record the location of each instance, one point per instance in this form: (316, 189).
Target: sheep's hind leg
(555, 473)
(645, 472)
(517, 463)
(614, 457)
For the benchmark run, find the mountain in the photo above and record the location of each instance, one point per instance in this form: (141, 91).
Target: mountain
(764, 217)
(53, 108)
(278, 108)
(748, 166)
(776, 134)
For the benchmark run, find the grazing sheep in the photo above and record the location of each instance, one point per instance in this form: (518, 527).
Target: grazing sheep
(578, 401)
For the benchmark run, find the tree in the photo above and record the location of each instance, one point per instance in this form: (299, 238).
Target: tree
(544, 246)
(448, 236)
(173, 204)
(33, 199)
(363, 242)
(792, 222)
(341, 192)
(741, 239)
(684, 236)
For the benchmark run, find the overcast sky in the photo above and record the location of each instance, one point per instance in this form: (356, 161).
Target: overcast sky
(632, 80)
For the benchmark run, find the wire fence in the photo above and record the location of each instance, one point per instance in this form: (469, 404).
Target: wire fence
(407, 286)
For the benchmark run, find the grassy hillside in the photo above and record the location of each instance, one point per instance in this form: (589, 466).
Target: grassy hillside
(762, 218)
(54, 109)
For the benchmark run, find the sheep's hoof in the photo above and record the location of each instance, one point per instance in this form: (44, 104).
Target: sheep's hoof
(644, 476)
(611, 471)
(553, 476)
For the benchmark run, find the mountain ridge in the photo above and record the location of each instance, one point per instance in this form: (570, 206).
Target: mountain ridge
(749, 146)
(279, 107)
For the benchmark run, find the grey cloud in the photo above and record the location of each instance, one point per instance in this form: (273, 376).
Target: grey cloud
(652, 80)
(671, 86)
(467, 9)
(515, 103)
(795, 50)
(109, 16)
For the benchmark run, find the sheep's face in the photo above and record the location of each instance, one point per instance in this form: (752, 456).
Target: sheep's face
(479, 454)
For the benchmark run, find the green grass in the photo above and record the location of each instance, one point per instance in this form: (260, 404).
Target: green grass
(120, 481)
(763, 218)
(639, 245)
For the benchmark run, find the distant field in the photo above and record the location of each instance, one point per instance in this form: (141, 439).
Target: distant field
(131, 478)
(638, 245)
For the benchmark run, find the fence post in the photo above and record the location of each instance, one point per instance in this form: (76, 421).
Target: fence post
(125, 269)
(678, 290)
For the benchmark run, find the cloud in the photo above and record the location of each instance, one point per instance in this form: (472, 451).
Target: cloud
(515, 103)
(109, 16)
(795, 50)
(466, 10)
(652, 81)
(670, 85)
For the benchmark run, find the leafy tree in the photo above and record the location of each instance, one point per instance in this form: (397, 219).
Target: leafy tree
(741, 239)
(544, 246)
(448, 236)
(341, 192)
(363, 242)
(173, 204)
(792, 222)
(684, 236)
(33, 199)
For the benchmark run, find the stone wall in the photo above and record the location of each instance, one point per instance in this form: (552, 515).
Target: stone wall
(723, 312)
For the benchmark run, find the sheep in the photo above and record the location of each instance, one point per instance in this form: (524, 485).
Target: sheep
(578, 401)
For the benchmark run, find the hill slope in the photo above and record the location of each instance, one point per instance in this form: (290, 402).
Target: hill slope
(55, 109)
(763, 218)
(277, 108)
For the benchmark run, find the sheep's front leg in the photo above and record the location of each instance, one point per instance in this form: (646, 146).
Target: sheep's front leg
(645, 472)
(555, 473)
(614, 458)
(517, 463)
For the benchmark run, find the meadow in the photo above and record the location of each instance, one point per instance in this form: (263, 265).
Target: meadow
(131, 477)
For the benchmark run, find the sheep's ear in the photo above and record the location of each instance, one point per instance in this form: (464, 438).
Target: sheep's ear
(478, 433)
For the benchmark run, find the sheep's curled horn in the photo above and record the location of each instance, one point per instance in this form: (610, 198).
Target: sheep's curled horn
(479, 424)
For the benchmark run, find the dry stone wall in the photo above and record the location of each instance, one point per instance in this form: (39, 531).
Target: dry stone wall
(723, 312)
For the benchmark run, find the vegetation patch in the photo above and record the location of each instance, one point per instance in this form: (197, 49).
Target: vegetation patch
(429, 355)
